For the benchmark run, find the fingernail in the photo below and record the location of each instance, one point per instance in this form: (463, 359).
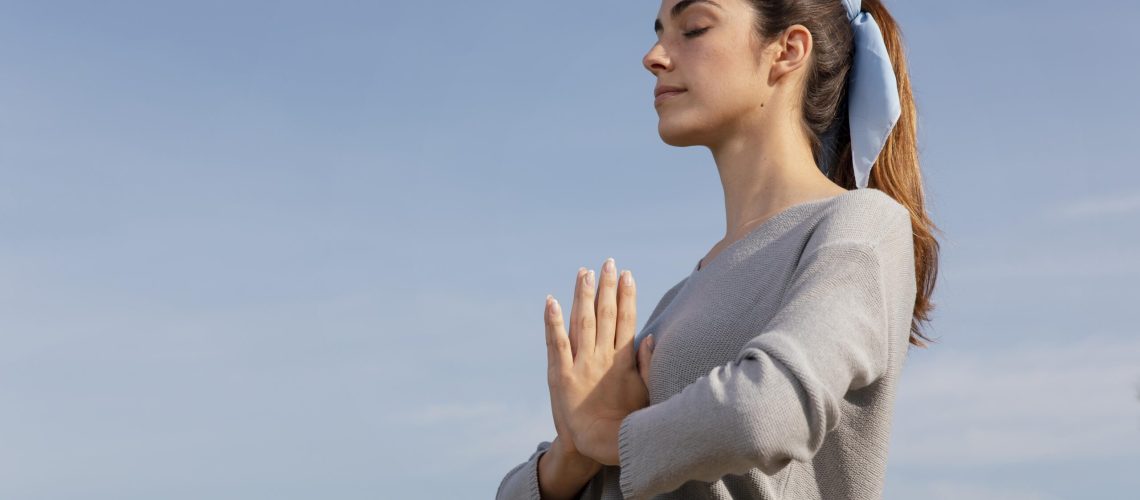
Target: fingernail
(590, 278)
(609, 266)
(626, 278)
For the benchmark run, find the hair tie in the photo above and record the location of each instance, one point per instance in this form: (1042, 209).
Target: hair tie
(872, 93)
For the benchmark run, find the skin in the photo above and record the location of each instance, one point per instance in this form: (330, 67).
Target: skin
(742, 101)
(595, 385)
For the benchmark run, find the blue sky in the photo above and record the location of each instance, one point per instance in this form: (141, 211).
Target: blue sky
(300, 249)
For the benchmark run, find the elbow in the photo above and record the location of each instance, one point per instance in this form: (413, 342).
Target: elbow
(789, 419)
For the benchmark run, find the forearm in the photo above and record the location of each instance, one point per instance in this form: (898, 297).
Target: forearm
(562, 476)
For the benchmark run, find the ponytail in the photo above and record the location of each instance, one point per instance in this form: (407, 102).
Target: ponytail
(825, 121)
(896, 172)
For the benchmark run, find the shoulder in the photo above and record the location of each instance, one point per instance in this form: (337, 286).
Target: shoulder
(865, 216)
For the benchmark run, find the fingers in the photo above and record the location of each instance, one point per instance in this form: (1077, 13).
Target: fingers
(626, 319)
(583, 320)
(575, 310)
(607, 307)
(645, 358)
(558, 355)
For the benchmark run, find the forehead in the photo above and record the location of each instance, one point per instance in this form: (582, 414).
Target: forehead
(671, 9)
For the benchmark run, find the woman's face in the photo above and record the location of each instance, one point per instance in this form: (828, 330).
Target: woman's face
(708, 48)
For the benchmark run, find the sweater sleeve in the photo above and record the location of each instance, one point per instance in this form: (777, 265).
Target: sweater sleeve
(521, 482)
(781, 395)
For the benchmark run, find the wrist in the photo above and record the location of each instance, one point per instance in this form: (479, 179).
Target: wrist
(572, 459)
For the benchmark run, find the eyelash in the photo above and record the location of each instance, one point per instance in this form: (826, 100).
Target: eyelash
(695, 33)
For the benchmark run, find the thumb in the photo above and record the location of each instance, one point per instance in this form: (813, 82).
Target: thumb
(644, 357)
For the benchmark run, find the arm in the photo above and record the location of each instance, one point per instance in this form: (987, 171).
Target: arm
(563, 476)
(549, 474)
(776, 401)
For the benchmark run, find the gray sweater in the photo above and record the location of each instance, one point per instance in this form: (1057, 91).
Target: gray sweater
(775, 367)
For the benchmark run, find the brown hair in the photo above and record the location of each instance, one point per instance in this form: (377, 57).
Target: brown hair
(896, 171)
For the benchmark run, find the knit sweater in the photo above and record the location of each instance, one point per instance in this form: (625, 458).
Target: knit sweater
(775, 366)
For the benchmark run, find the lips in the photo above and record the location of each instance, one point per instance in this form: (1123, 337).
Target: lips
(660, 89)
(665, 92)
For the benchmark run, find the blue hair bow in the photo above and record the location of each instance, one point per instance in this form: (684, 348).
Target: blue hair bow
(872, 93)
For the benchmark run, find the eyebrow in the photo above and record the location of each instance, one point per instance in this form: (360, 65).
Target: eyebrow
(678, 8)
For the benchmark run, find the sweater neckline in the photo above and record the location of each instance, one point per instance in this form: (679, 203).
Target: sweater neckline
(763, 228)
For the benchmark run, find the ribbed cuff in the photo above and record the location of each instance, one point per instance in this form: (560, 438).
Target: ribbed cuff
(521, 482)
(625, 457)
(532, 476)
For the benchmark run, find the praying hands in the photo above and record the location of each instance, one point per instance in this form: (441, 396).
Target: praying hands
(594, 379)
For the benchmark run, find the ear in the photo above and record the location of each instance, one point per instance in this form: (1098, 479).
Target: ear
(792, 51)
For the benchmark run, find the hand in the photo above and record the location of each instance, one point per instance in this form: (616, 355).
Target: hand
(563, 443)
(645, 358)
(593, 378)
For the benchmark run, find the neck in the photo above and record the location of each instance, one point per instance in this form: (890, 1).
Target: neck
(763, 170)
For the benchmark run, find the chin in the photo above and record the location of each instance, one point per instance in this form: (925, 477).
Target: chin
(679, 132)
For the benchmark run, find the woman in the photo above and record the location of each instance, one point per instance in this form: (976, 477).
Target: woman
(769, 371)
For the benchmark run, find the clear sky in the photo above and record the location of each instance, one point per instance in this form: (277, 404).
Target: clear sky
(299, 250)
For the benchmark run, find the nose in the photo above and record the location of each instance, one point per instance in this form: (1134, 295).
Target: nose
(655, 60)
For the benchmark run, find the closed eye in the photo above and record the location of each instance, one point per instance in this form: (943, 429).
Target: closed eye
(697, 32)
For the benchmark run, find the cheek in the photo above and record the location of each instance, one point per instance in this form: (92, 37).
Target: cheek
(725, 73)
(726, 84)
